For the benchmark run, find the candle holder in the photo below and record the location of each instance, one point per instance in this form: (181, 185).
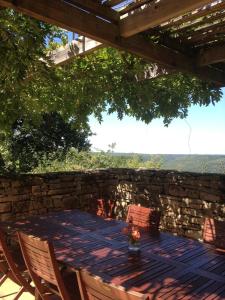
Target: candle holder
(134, 239)
(134, 236)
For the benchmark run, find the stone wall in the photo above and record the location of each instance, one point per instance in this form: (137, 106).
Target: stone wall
(185, 199)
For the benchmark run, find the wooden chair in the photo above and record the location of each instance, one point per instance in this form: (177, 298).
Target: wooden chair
(209, 233)
(44, 270)
(220, 235)
(92, 288)
(104, 208)
(143, 217)
(214, 233)
(13, 267)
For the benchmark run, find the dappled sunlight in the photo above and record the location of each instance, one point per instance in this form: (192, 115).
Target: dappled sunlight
(166, 266)
(9, 290)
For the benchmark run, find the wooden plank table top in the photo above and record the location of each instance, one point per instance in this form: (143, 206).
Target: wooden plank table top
(168, 267)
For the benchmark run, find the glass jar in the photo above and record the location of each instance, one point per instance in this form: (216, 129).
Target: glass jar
(134, 247)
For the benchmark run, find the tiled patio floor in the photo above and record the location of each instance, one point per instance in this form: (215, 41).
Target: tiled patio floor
(9, 289)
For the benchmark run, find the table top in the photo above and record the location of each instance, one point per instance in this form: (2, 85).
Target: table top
(168, 267)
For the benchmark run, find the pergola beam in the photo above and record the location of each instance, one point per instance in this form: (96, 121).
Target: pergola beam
(74, 19)
(65, 54)
(98, 9)
(66, 16)
(211, 56)
(156, 14)
(112, 3)
(71, 18)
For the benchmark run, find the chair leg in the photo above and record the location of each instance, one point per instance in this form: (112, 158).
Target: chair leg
(3, 279)
(37, 295)
(21, 291)
(30, 288)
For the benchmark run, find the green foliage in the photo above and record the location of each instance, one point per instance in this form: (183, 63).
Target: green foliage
(88, 160)
(30, 144)
(75, 160)
(106, 80)
(109, 80)
(2, 163)
(26, 73)
(6, 163)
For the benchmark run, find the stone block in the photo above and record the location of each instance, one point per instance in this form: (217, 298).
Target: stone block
(20, 206)
(37, 180)
(48, 203)
(197, 235)
(192, 212)
(36, 189)
(193, 193)
(61, 185)
(5, 207)
(62, 191)
(2, 190)
(210, 197)
(177, 191)
(5, 199)
(67, 178)
(6, 217)
(58, 203)
(6, 184)
(42, 211)
(68, 203)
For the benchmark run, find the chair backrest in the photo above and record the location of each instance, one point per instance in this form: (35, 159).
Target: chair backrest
(102, 207)
(147, 218)
(42, 265)
(11, 262)
(4, 268)
(209, 232)
(92, 287)
(138, 215)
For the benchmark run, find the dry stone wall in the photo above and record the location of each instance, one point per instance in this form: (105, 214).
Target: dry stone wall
(185, 199)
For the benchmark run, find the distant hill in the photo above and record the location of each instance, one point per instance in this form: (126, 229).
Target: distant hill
(195, 163)
(191, 163)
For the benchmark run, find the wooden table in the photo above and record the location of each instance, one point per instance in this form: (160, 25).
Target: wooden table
(168, 267)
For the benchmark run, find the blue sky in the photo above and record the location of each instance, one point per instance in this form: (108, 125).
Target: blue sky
(203, 132)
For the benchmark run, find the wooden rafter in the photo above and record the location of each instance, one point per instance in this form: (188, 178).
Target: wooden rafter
(210, 27)
(211, 56)
(66, 16)
(112, 3)
(72, 18)
(97, 9)
(217, 31)
(75, 20)
(156, 14)
(132, 6)
(200, 24)
(197, 14)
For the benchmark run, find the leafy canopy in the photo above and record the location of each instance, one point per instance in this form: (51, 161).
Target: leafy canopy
(26, 76)
(30, 145)
(106, 80)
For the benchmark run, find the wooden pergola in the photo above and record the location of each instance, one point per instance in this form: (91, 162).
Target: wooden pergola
(177, 35)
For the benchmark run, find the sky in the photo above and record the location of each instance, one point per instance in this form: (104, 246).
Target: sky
(202, 132)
